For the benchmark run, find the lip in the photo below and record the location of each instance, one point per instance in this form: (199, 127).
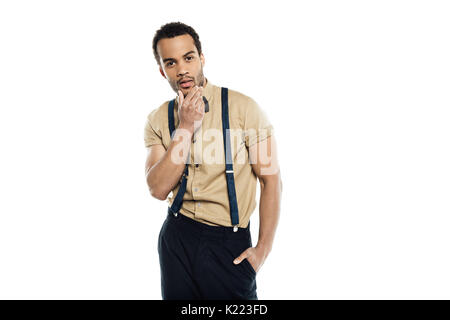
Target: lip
(185, 80)
(188, 83)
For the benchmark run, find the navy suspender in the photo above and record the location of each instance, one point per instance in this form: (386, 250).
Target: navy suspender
(229, 173)
(228, 160)
(176, 204)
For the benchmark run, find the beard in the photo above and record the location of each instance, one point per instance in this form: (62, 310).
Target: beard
(199, 80)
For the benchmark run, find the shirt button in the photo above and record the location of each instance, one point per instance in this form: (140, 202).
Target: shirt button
(196, 165)
(195, 189)
(199, 204)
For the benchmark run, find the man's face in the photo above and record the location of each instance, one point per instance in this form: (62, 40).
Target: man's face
(180, 62)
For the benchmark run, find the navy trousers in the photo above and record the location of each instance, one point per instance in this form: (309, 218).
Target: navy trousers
(197, 261)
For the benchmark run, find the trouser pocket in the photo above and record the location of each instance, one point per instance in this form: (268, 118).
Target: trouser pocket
(249, 266)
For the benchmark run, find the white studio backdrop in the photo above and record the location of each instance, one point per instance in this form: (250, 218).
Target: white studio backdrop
(358, 93)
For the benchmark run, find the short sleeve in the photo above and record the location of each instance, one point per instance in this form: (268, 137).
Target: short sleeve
(257, 126)
(151, 136)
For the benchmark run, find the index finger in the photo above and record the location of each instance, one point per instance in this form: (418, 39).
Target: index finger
(191, 94)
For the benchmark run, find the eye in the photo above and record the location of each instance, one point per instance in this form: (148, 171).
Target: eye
(190, 57)
(168, 63)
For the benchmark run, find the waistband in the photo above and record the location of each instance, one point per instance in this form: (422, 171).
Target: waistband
(208, 230)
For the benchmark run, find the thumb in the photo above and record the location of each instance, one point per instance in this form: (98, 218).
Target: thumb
(243, 256)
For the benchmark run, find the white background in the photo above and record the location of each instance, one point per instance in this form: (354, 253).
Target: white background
(358, 93)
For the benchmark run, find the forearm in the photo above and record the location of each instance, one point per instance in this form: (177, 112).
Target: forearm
(166, 173)
(269, 212)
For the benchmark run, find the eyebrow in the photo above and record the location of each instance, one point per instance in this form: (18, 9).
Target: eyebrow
(184, 55)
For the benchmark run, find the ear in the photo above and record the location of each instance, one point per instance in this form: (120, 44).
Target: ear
(202, 59)
(162, 72)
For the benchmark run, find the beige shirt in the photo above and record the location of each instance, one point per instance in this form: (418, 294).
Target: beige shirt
(206, 197)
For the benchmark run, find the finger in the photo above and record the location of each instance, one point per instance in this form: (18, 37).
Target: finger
(197, 97)
(188, 97)
(201, 93)
(244, 255)
(191, 94)
(180, 98)
(196, 100)
(201, 109)
(200, 106)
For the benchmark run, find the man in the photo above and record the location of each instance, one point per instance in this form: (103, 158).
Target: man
(208, 146)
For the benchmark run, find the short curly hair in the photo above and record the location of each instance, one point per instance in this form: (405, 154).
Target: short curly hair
(171, 30)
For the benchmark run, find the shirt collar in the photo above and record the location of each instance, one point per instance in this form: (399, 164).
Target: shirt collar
(208, 90)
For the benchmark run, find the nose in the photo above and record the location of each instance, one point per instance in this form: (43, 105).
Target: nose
(182, 70)
(182, 75)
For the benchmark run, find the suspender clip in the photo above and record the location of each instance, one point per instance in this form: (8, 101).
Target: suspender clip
(235, 228)
(229, 171)
(175, 214)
